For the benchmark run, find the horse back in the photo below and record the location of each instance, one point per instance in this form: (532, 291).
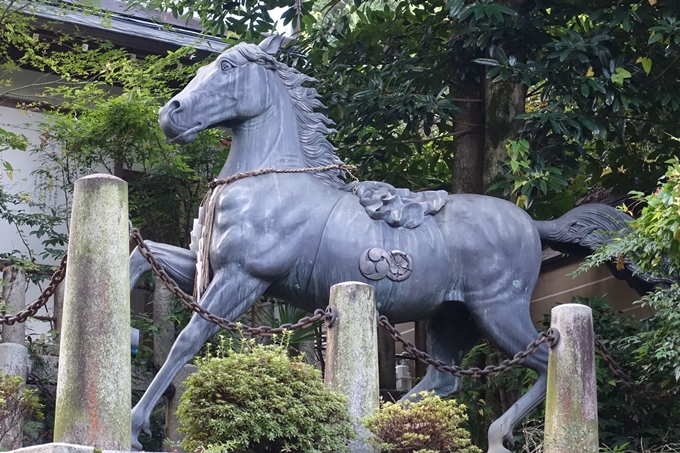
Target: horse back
(342, 256)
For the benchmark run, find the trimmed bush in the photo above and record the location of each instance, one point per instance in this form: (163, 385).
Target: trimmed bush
(257, 400)
(430, 425)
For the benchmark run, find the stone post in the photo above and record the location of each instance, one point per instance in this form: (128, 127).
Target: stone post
(94, 384)
(13, 354)
(162, 307)
(173, 438)
(14, 297)
(352, 354)
(571, 400)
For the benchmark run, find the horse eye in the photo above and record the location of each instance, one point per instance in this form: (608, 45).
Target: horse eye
(225, 65)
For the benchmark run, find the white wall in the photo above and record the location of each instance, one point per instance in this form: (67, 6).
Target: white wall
(22, 181)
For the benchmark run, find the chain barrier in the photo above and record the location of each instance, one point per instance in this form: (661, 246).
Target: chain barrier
(328, 316)
(33, 308)
(551, 337)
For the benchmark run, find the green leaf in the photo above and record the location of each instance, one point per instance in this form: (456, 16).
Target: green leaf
(486, 61)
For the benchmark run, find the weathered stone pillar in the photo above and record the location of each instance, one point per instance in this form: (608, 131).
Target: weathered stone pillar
(13, 354)
(173, 438)
(14, 296)
(162, 307)
(352, 354)
(571, 401)
(93, 390)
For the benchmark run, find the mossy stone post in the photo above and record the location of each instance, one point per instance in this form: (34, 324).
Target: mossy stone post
(14, 359)
(571, 401)
(164, 338)
(352, 354)
(173, 438)
(94, 383)
(14, 297)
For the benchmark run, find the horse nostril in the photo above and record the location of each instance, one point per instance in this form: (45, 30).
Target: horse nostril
(173, 105)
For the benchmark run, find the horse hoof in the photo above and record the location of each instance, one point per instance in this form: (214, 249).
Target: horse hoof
(136, 446)
(139, 424)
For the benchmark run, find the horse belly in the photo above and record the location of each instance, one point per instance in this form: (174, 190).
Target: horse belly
(349, 232)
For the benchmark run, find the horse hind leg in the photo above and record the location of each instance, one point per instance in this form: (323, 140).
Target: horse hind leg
(450, 336)
(508, 326)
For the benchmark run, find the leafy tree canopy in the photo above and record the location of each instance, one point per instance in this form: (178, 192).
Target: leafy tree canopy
(601, 92)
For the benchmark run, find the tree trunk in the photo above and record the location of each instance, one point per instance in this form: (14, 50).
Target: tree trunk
(503, 102)
(468, 148)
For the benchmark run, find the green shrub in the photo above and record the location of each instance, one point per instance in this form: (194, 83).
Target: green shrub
(16, 403)
(430, 425)
(257, 400)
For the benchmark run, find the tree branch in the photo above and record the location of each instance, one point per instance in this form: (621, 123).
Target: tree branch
(661, 74)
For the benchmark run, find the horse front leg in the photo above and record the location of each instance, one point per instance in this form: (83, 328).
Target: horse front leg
(230, 294)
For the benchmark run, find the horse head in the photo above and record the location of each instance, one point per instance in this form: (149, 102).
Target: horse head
(231, 89)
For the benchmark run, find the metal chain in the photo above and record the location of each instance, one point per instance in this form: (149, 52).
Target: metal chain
(33, 308)
(551, 337)
(328, 316)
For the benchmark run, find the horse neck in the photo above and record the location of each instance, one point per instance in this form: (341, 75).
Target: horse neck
(269, 140)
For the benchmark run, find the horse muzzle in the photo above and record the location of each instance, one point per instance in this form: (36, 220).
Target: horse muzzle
(179, 123)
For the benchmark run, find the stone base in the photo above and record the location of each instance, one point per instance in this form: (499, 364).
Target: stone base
(63, 448)
(14, 359)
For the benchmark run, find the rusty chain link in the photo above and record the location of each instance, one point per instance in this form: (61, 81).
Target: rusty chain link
(329, 315)
(551, 337)
(33, 308)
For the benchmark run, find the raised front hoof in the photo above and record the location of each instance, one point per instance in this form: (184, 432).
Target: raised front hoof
(139, 424)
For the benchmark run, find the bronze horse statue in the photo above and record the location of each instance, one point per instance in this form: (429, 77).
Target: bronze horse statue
(466, 263)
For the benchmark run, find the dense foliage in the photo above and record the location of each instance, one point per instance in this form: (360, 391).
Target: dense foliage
(654, 246)
(429, 425)
(258, 399)
(428, 92)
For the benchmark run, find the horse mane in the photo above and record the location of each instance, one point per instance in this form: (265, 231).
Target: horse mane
(313, 126)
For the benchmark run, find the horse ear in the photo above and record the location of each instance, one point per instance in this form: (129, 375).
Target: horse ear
(271, 45)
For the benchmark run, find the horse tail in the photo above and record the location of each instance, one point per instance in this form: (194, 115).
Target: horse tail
(587, 228)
